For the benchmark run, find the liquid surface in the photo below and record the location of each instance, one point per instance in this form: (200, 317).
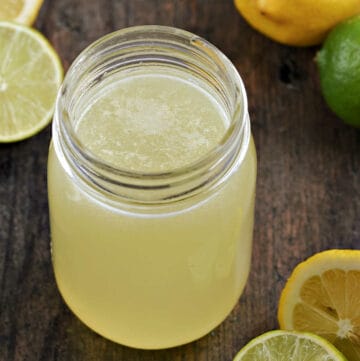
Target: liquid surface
(152, 123)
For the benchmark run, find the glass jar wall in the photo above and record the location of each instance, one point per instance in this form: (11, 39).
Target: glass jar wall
(151, 250)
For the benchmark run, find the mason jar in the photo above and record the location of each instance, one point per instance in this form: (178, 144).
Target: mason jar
(148, 250)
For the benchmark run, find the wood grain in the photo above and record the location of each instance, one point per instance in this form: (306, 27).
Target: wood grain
(308, 188)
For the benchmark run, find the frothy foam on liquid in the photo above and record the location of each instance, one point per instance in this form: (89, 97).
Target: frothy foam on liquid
(152, 123)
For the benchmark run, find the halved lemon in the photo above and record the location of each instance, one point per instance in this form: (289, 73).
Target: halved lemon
(323, 296)
(286, 346)
(20, 11)
(30, 76)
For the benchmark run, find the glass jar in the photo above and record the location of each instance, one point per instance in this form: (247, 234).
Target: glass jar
(151, 259)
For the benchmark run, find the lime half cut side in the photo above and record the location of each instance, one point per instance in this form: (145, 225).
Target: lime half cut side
(289, 346)
(30, 76)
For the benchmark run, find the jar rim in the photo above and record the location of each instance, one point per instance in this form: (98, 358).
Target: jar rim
(152, 35)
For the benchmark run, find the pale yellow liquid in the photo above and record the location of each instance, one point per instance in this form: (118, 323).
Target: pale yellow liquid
(160, 277)
(152, 123)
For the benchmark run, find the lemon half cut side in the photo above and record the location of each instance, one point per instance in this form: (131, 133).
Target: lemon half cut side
(20, 11)
(322, 296)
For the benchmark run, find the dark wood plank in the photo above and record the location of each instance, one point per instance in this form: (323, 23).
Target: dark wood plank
(307, 195)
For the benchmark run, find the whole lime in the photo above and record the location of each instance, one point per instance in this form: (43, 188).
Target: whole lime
(339, 66)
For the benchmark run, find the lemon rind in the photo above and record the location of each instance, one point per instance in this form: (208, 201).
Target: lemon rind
(29, 12)
(343, 259)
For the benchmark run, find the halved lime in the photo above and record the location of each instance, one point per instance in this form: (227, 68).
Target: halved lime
(30, 76)
(286, 346)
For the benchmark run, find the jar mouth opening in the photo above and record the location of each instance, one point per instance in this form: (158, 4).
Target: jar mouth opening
(129, 43)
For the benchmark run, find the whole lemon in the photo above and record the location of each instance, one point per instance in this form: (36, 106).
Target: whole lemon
(297, 22)
(339, 67)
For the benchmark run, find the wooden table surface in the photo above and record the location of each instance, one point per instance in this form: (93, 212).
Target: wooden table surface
(308, 190)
